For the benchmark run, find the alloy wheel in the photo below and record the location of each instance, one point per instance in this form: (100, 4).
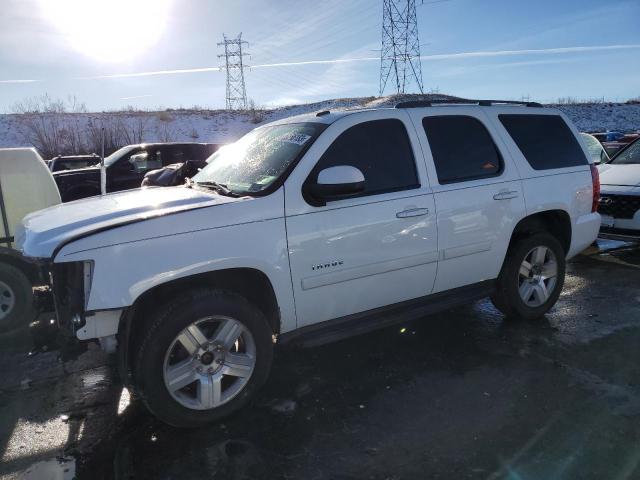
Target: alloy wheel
(537, 277)
(209, 362)
(7, 300)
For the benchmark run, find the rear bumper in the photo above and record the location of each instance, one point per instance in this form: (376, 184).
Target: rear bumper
(585, 231)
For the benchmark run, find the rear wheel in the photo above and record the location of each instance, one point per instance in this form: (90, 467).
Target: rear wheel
(16, 298)
(532, 277)
(203, 357)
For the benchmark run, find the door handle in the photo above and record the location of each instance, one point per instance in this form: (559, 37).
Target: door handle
(413, 212)
(506, 195)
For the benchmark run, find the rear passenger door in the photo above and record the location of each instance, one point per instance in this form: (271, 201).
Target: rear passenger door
(477, 191)
(371, 250)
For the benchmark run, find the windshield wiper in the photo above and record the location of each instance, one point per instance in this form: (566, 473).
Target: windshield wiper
(218, 187)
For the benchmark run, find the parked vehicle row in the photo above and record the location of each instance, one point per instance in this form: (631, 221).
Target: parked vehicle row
(315, 228)
(126, 167)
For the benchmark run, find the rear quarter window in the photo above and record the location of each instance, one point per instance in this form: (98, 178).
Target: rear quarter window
(545, 141)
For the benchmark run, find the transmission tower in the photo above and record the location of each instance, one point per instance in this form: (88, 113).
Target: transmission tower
(400, 54)
(234, 67)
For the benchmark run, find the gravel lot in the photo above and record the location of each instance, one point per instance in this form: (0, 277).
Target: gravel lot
(463, 394)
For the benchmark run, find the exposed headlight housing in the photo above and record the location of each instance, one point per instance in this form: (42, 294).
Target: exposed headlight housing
(71, 282)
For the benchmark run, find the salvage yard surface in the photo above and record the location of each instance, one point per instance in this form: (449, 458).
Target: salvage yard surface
(464, 394)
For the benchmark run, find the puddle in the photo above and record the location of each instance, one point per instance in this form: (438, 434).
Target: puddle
(625, 253)
(93, 379)
(54, 469)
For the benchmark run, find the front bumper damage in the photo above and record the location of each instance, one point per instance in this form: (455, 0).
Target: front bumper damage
(67, 285)
(71, 285)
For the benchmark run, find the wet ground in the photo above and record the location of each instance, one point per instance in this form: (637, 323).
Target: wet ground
(463, 394)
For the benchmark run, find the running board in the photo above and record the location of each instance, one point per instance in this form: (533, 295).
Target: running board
(359, 323)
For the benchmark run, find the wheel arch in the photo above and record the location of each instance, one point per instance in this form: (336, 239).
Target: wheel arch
(557, 222)
(251, 283)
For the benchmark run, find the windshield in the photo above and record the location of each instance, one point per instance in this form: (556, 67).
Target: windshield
(117, 154)
(630, 155)
(258, 159)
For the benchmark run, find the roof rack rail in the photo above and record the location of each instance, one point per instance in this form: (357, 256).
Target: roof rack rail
(482, 103)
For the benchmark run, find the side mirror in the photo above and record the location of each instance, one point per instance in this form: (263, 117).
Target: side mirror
(336, 182)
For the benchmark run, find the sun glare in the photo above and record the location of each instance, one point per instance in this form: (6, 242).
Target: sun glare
(109, 30)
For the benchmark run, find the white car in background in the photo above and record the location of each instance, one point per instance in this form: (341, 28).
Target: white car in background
(619, 204)
(596, 151)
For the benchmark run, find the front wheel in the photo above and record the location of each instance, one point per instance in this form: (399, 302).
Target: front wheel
(204, 356)
(16, 298)
(532, 277)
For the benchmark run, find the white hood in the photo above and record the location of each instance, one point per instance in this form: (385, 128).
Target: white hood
(627, 175)
(43, 231)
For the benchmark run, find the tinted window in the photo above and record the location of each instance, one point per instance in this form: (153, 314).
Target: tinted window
(381, 149)
(462, 148)
(545, 141)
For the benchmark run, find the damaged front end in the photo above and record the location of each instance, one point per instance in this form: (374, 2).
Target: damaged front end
(71, 284)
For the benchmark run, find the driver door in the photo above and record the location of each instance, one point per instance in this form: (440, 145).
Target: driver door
(371, 250)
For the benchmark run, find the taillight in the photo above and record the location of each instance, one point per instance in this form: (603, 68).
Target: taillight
(595, 179)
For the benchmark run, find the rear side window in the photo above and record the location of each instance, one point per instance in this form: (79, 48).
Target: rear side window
(381, 149)
(545, 141)
(462, 148)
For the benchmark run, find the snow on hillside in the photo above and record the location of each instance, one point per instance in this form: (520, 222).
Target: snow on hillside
(220, 126)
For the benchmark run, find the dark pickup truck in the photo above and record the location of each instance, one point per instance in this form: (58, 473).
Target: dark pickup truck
(127, 167)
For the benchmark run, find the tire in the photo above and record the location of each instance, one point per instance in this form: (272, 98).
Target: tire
(514, 286)
(16, 298)
(169, 354)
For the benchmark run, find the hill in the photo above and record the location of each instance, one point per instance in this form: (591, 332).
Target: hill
(62, 132)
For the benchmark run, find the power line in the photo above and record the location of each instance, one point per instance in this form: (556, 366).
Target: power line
(400, 53)
(234, 67)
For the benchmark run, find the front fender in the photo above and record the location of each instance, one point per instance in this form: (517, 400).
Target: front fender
(123, 272)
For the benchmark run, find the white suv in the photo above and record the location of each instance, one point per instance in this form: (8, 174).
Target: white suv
(314, 228)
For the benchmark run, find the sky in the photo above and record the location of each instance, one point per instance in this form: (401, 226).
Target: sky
(148, 54)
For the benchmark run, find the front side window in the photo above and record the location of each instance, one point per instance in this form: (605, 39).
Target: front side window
(121, 154)
(381, 150)
(630, 155)
(545, 141)
(258, 159)
(462, 148)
